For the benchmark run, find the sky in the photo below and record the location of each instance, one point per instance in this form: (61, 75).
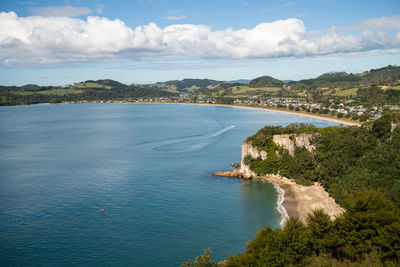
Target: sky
(145, 41)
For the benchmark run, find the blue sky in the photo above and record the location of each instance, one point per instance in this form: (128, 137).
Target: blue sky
(143, 41)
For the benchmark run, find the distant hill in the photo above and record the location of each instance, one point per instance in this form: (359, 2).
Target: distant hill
(265, 81)
(385, 74)
(242, 81)
(100, 90)
(100, 84)
(188, 83)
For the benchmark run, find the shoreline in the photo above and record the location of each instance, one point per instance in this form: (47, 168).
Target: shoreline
(291, 112)
(280, 207)
(299, 200)
(304, 114)
(295, 200)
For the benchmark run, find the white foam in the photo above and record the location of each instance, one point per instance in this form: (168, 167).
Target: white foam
(280, 208)
(169, 142)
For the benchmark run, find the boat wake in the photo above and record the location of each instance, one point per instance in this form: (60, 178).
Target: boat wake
(189, 143)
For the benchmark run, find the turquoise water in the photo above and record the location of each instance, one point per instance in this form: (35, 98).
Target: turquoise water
(147, 165)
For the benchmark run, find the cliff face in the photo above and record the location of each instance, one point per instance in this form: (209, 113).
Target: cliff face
(394, 126)
(249, 150)
(287, 141)
(291, 141)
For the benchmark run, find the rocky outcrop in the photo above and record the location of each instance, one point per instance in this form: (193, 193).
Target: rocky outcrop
(291, 141)
(234, 173)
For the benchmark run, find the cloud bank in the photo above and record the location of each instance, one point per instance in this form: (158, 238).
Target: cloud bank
(58, 40)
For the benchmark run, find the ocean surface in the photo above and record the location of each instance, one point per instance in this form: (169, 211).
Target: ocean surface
(147, 165)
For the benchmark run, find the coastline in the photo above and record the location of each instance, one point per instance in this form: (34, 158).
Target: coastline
(295, 200)
(299, 200)
(299, 113)
(304, 114)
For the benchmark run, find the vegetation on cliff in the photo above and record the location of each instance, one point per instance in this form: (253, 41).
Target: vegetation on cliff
(346, 159)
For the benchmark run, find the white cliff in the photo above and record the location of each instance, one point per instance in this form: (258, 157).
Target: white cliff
(286, 141)
(291, 141)
(249, 150)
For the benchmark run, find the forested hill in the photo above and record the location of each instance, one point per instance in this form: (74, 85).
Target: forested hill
(380, 75)
(265, 81)
(360, 167)
(377, 76)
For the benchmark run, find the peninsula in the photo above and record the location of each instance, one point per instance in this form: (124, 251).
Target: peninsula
(341, 200)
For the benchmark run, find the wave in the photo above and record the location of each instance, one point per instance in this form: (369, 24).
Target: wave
(188, 143)
(280, 208)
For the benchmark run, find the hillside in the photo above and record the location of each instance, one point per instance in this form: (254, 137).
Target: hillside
(100, 90)
(265, 81)
(190, 83)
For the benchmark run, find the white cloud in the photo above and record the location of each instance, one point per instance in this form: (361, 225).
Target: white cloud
(383, 23)
(47, 40)
(60, 11)
(181, 17)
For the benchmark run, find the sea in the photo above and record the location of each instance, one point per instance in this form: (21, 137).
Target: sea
(148, 166)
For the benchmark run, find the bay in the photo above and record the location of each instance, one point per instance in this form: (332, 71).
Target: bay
(147, 165)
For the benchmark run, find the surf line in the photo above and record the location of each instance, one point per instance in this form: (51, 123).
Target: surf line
(280, 208)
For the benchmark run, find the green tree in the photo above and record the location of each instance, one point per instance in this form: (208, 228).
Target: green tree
(204, 260)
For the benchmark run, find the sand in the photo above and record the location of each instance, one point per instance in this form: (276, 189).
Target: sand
(300, 200)
(295, 200)
(299, 113)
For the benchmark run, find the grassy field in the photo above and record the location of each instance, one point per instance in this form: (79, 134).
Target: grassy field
(347, 92)
(236, 90)
(60, 91)
(91, 85)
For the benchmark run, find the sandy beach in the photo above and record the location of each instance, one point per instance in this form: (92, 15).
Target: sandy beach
(300, 200)
(299, 113)
(295, 200)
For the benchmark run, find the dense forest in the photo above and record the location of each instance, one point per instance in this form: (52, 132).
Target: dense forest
(360, 168)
